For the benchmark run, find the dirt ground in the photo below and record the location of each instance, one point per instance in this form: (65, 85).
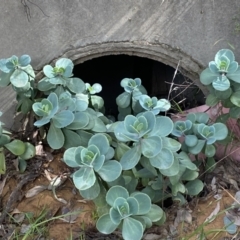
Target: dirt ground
(81, 226)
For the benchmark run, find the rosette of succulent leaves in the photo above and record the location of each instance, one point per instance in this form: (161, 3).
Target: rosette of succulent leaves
(134, 99)
(96, 102)
(23, 150)
(19, 73)
(58, 79)
(221, 71)
(94, 165)
(222, 78)
(130, 212)
(199, 135)
(153, 104)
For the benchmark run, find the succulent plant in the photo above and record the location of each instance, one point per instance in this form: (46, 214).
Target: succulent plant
(95, 88)
(49, 109)
(198, 134)
(220, 71)
(132, 212)
(93, 161)
(181, 127)
(153, 104)
(147, 132)
(96, 102)
(170, 180)
(16, 71)
(59, 78)
(130, 98)
(20, 74)
(112, 159)
(55, 111)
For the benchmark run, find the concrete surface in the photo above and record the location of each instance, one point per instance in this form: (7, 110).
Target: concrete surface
(188, 32)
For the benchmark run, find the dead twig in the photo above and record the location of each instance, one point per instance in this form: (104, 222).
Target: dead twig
(172, 83)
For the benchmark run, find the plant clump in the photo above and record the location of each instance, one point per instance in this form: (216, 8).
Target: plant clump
(129, 166)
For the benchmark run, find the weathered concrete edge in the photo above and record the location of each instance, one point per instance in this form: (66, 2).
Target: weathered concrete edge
(161, 52)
